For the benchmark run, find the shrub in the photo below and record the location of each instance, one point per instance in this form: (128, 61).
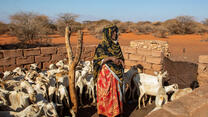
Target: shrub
(116, 22)
(145, 28)
(123, 27)
(3, 28)
(205, 22)
(181, 25)
(29, 26)
(161, 32)
(96, 27)
(126, 27)
(200, 28)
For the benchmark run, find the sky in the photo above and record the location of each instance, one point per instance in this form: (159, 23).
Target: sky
(124, 10)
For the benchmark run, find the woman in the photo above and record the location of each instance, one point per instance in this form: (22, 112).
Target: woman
(108, 68)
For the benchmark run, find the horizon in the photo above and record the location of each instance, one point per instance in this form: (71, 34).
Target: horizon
(92, 10)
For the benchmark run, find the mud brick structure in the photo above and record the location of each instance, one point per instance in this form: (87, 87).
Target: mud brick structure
(148, 53)
(194, 104)
(43, 56)
(203, 70)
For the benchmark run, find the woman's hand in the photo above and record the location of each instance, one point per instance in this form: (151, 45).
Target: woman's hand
(118, 61)
(115, 60)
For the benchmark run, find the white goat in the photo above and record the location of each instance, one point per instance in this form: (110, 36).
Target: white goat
(19, 100)
(150, 85)
(180, 92)
(63, 93)
(32, 110)
(48, 108)
(170, 88)
(60, 64)
(79, 79)
(7, 74)
(19, 71)
(89, 82)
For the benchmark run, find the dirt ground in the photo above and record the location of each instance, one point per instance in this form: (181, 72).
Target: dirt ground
(182, 65)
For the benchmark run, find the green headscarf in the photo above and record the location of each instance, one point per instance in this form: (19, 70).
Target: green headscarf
(105, 49)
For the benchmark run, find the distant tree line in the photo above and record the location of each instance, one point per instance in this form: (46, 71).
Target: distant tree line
(29, 26)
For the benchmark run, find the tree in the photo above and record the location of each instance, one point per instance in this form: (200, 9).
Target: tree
(28, 26)
(68, 19)
(186, 24)
(73, 61)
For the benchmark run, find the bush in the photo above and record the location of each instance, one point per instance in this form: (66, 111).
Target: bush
(126, 27)
(205, 22)
(200, 28)
(29, 26)
(3, 28)
(181, 25)
(96, 27)
(116, 22)
(145, 28)
(123, 27)
(161, 32)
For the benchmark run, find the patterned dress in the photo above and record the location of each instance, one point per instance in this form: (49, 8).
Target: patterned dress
(108, 75)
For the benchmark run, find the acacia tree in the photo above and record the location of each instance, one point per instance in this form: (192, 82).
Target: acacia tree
(186, 24)
(28, 26)
(67, 19)
(72, 62)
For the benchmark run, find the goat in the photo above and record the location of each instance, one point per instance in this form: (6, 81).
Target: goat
(63, 93)
(79, 80)
(20, 100)
(170, 88)
(181, 92)
(127, 78)
(30, 111)
(89, 82)
(148, 84)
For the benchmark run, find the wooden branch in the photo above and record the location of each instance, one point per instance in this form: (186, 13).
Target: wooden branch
(72, 65)
(68, 45)
(79, 48)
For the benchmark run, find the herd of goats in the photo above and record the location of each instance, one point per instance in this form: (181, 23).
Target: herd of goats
(33, 92)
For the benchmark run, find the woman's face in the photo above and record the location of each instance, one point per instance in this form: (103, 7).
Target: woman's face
(114, 34)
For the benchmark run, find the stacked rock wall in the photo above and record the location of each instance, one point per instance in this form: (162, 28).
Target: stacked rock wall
(148, 53)
(203, 70)
(43, 56)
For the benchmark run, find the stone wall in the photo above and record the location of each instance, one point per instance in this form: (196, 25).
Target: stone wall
(203, 70)
(194, 104)
(148, 53)
(43, 56)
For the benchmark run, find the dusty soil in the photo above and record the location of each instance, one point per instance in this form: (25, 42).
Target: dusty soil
(182, 65)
